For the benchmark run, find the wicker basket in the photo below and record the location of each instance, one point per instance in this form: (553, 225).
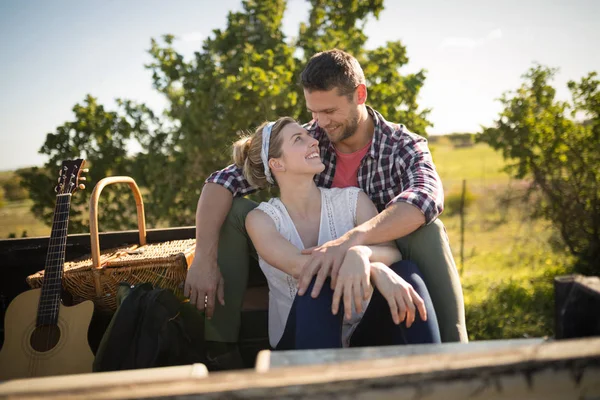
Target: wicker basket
(97, 277)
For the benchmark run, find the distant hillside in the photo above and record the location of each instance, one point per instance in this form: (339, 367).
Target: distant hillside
(458, 139)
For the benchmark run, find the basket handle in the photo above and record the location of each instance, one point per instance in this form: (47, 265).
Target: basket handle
(95, 242)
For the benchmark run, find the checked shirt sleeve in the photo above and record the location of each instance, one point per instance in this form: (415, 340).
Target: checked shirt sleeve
(232, 179)
(420, 180)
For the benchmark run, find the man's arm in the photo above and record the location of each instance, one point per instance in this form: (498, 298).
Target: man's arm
(204, 279)
(384, 251)
(421, 201)
(213, 206)
(396, 221)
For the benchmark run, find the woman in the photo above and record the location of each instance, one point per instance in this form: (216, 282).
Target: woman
(283, 153)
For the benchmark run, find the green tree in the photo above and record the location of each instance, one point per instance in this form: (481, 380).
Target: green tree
(242, 75)
(101, 137)
(341, 24)
(559, 154)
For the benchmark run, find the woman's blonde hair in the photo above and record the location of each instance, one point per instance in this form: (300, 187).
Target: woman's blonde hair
(246, 152)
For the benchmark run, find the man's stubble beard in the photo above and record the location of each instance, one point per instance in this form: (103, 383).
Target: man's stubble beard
(350, 128)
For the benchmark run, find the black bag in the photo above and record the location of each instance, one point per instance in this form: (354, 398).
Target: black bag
(151, 328)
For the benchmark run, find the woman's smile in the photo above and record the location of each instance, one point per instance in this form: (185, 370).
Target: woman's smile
(313, 155)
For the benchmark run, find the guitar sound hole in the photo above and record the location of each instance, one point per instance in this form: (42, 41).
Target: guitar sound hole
(45, 337)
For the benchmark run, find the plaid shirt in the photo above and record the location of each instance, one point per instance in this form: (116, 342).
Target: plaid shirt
(397, 168)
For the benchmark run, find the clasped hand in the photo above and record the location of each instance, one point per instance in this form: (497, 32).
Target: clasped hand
(325, 261)
(350, 271)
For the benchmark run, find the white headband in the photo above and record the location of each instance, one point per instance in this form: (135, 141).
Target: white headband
(264, 154)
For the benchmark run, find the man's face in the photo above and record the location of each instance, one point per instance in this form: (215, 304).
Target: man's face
(336, 114)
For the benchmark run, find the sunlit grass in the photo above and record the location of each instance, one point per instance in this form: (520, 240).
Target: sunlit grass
(480, 165)
(509, 265)
(5, 175)
(16, 217)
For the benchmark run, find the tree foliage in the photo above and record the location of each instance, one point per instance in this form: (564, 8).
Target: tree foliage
(242, 75)
(549, 143)
(101, 137)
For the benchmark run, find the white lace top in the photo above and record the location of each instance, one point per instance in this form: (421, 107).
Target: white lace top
(338, 216)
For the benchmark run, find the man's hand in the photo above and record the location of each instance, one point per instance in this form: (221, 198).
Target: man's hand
(203, 282)
(326, 261)
(353, 281)
(400, 295)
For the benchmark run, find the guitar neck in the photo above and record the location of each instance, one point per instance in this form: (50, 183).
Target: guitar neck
(49, 303)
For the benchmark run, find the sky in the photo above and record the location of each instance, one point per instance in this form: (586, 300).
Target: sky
(54, 53)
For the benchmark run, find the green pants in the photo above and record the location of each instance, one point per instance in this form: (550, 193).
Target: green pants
(427, 247)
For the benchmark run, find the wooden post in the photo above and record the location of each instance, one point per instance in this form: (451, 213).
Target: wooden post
(462, 226)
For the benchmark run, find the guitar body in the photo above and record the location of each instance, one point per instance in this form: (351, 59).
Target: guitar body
(51, 350)
(42, 337)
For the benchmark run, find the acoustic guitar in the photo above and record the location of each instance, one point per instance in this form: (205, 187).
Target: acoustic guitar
(42, 336)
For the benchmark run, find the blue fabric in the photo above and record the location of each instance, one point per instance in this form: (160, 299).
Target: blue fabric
(311, 325)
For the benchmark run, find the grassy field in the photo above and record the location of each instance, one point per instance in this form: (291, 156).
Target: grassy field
(508, 261)
(480, 165)
(16, 217)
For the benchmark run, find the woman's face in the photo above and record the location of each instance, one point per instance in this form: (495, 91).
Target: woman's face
(300, 152)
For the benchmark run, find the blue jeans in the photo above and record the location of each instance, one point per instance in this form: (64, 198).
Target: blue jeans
(311, 324)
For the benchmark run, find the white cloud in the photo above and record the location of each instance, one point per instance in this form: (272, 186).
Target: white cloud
(470, 43)
(495, 34)
(192, 37)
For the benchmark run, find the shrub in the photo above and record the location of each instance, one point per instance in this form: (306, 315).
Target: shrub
(513, 311)
(452, 202)
(13, 190)
(559, 154)
(462, 139)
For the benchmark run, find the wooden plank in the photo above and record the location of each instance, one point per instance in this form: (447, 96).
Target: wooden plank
(554, 370)
(276, 359)
(101, 380)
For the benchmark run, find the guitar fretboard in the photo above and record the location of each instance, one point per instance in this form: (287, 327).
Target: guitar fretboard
(51, 288)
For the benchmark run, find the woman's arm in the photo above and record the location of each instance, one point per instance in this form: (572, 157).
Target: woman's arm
(271, 246)
(402, 298)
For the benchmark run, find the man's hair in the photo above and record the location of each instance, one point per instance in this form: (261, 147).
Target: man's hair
(333, 69)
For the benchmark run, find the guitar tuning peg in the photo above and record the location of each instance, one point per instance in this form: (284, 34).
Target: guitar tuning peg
(81, 186)
(58, 179)
(82, 178)
(85, 170)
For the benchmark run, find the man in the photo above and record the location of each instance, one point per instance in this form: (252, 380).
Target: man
(359, 148)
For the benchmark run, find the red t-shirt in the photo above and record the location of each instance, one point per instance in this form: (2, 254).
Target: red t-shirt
(346, 167)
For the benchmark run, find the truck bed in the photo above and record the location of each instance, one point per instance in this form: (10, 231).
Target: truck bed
(25, 256)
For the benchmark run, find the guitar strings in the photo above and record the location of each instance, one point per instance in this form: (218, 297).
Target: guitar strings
(45, 297)
(58, 241)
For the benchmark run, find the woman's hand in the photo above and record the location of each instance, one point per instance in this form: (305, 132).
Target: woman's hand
(325, 261)
(353, 281)
(400, 295)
